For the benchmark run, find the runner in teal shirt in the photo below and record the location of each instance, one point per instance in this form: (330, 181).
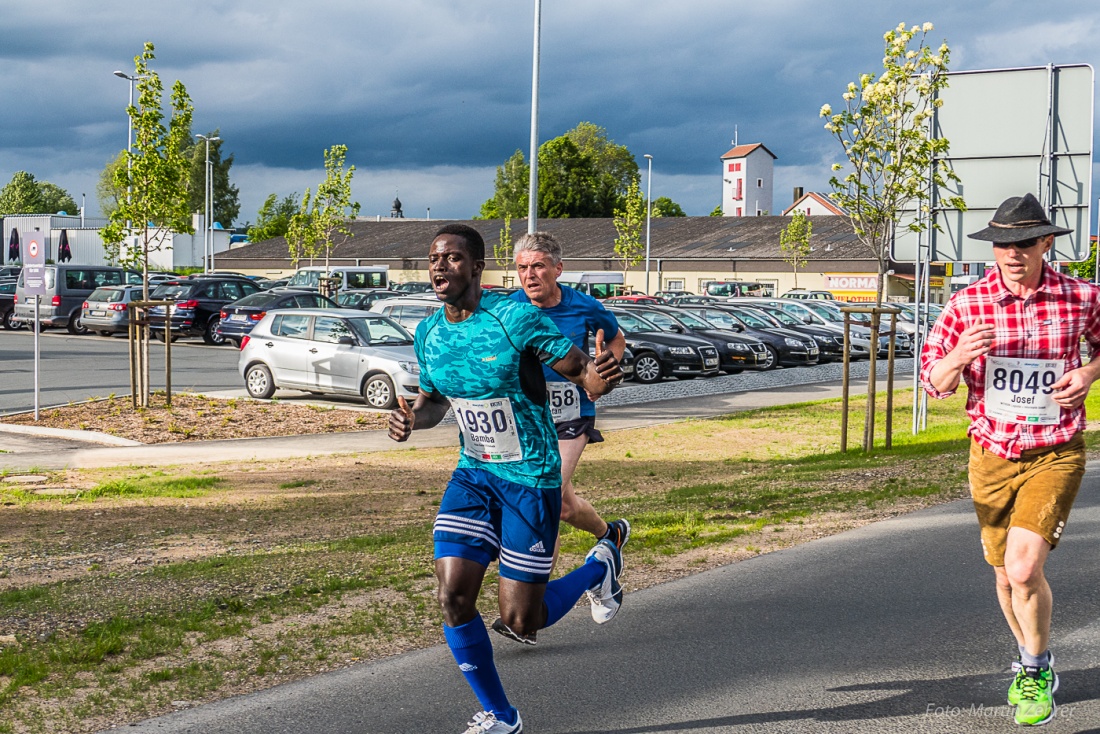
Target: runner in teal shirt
(482, 355)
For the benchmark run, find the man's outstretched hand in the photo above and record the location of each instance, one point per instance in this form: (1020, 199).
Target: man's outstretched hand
(401, 421)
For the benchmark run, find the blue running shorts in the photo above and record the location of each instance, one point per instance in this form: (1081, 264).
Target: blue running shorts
(483, 517)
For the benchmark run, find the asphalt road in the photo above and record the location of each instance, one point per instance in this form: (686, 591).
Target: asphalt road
(76, 368)
(889, 628)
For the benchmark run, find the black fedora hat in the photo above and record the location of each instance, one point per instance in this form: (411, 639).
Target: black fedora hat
(1018, 218)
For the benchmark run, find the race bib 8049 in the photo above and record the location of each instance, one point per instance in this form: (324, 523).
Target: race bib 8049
(488, 429)
(1018, 390)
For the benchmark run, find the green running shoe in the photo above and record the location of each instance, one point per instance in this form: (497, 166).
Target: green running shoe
(1018, 671)
(1036, 706)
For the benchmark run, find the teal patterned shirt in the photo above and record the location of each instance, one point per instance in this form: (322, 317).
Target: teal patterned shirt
(490, 368)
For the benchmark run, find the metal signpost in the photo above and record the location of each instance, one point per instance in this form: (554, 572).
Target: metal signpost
(1042, 145)
(34, 284)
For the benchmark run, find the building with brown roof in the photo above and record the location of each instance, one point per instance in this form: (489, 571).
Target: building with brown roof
(685, 253)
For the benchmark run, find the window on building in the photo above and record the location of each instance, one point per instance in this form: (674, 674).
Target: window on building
(731, 168)
(737, 192)
(759, 183)
(736, 167)
(737, 212)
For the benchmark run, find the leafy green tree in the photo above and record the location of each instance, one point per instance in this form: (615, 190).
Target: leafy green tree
(155, 179)
(53, 199)
(1086, 268)
(794, 242)
(273, 218)
(224, 198)
(321, 224)
(614, 164)
(108, 193)
(20, 195)
(567, 181)
(666, 207)
(717, 212)
(883, 131)
(26, 195)
(509, 197)
(503, 247)
(629, 221)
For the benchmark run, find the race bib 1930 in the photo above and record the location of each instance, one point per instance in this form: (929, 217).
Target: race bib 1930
(565, 401)
(1018, 390)
(488, 429)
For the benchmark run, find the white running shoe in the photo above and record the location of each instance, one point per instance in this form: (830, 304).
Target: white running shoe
(607, 595)
(486, 723)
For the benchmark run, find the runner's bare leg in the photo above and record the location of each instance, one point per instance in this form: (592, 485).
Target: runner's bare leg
(575, 510)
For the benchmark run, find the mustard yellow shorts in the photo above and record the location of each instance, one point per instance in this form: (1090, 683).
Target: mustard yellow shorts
(1034, 492)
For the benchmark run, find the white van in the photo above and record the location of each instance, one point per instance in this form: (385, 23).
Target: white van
(369, 276)
(596, 283)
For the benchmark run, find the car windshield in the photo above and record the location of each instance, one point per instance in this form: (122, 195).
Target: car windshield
(378, 330)
(695, 322)
(825, 312)
(308, 278)
(666, 322)
(722, 319)
(782, 316)
(110, 295)
(258, 299)
(754, 319)
(171, 291)
(634, 323)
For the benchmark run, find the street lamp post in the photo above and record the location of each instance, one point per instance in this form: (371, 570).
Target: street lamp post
(129, 131)
(208, 213)
(533, 182)
(648, 208)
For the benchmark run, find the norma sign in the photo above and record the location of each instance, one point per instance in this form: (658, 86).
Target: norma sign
(851, 282)
(34, 260)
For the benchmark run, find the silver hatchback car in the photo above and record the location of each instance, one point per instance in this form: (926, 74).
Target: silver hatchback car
(321, 351)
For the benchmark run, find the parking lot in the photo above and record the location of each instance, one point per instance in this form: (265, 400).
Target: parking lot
(77, 368)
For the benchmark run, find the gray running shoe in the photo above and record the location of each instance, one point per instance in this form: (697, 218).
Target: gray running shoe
(618, 532)
(607, 595)
(486, 723)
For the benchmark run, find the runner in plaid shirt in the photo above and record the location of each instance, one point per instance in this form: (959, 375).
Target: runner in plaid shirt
(1014, 337)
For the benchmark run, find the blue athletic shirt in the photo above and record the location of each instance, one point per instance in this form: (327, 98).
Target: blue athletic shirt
(577, 315)
(495, 357)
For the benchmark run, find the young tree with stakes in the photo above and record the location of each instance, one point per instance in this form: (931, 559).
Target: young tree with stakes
(794, 242)
(321, 223)
(629, 221)
(884, 130)
(155, 179)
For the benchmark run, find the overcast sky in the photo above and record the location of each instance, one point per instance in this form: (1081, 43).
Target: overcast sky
(431, 95)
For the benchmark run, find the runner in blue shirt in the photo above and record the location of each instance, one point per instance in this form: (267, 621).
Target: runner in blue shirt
(538, 264)
(482, 354)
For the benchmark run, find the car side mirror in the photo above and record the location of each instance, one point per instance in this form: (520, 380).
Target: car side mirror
(677, 328)
(738, 327)
(807, 320)
(347, 340)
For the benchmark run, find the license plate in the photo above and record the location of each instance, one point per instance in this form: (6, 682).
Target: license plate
(99, 313)
(813, 351)
(710, 362)
(237, 317)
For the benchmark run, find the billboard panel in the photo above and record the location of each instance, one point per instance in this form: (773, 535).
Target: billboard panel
(1012, 131)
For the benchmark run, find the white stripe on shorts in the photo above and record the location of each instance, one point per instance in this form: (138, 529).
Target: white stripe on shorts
(448, 526)
(522, 562)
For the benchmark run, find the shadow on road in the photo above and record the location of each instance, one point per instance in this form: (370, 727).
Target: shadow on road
(959, 698)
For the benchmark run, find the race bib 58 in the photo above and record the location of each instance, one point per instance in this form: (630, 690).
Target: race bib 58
(565, 401)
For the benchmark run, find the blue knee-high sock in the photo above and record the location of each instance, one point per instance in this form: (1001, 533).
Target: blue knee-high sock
(473, 652)
(562, 594)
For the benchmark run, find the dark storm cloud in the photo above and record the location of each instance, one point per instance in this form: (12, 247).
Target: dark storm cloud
(427, 86)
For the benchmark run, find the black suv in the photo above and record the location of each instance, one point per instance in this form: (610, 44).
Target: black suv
(735, 351)
(199, 301)
(660, 353)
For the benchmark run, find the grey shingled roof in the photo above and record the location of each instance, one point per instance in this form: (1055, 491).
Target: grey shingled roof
(680, 238)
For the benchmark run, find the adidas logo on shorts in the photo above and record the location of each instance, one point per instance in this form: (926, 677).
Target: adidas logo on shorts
(537, 548)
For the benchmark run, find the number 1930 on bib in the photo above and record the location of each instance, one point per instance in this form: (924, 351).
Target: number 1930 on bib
(1019, 390)
(488, 429)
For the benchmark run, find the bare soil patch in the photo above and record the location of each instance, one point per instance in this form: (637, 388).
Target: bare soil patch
(198, 418)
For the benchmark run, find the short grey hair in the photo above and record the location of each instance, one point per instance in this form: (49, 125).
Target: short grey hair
(543, 242)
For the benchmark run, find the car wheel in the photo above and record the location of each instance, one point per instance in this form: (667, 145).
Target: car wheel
(210, 334)
(75, 325)
(647, 368)
(258, 382)
(378, 392)
(105, 333)
(772, 360)
(9, 321)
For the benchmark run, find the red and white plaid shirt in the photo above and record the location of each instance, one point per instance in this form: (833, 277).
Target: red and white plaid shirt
(1048, 324)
